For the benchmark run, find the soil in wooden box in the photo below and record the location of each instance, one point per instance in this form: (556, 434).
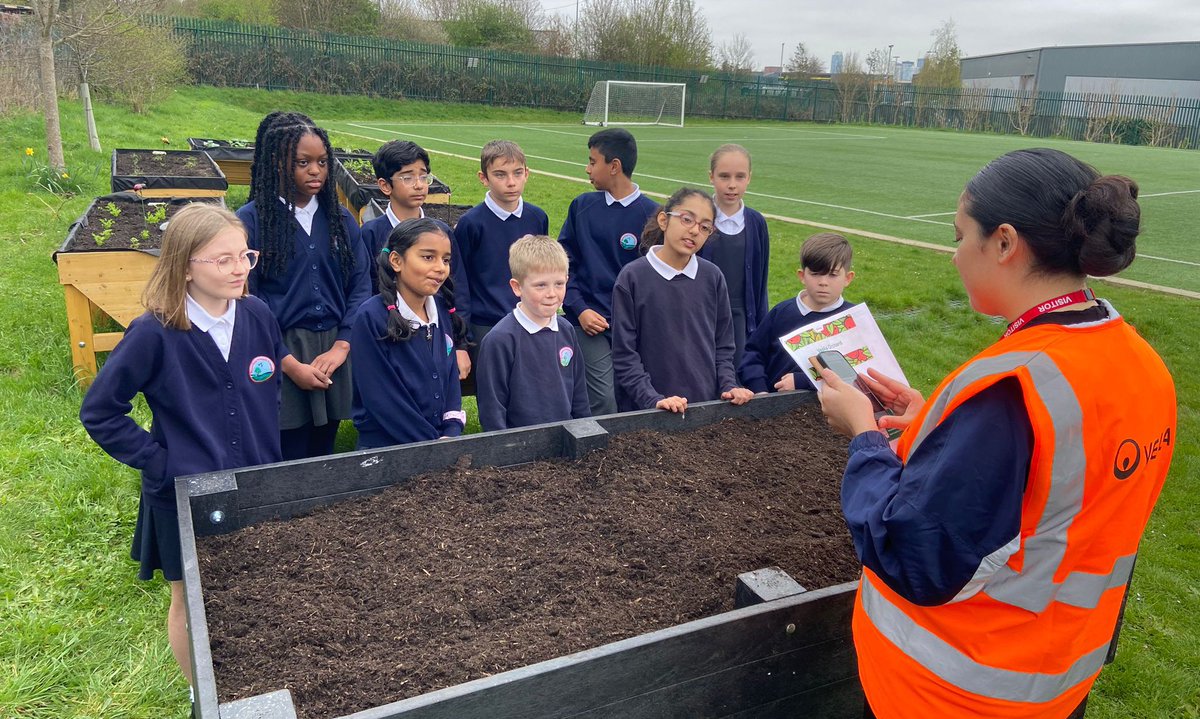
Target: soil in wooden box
(124, 221)
(469, 572)
(162, 164)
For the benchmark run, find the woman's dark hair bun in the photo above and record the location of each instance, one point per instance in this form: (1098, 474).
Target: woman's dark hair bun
(1102, 222)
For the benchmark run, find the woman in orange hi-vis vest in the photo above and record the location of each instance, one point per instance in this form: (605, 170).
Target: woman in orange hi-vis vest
(998, 536)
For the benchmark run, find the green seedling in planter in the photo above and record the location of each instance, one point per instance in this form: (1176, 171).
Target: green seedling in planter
(190, 162)
(209, 144)
(113, 210)
(157, 215)
(159, 156)
(136, 242)
(359, 167)
(240, 144)
(103, 236)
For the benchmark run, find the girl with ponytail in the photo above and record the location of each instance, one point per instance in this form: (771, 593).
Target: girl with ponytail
(405, 371)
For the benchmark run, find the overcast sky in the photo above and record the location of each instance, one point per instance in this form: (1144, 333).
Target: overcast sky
(984, 26)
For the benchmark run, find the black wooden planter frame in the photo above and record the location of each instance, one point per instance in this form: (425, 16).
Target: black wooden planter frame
(786, 655)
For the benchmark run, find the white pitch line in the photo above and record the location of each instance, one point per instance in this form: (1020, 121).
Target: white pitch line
(682, 182)
(1168, 259)
(929, 214)
(811, 223)
(1164, 194)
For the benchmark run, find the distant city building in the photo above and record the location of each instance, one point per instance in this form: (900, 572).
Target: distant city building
(835, 64)
(920, 64)
(905, 71)
(1167, 69)
(772, 70)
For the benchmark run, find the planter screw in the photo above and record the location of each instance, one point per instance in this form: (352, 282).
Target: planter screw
(83, 344)
(791, 629)
(218, 516)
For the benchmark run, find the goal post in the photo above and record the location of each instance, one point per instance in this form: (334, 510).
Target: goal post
(621, 102)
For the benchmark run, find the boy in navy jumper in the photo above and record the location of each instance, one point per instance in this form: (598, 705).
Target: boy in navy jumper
(402, 172)
(825, 260)
(601, 235)
(530, 368)
(486, 232)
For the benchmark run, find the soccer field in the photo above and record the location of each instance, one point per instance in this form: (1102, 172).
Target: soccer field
(899, 182)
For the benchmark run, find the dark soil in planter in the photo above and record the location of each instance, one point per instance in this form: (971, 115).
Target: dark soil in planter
(130, 228)
(445, 212)
(168, 164)
(469, 572)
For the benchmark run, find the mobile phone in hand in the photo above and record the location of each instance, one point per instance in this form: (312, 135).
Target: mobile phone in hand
(836, 361)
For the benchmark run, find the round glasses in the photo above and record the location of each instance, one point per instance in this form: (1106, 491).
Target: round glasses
(688, 222)
(410, 180)
(225, 263)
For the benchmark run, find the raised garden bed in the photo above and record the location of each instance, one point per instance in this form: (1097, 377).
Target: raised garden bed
(167, 173)
(234, 157)
(103, 266)
(475, 582)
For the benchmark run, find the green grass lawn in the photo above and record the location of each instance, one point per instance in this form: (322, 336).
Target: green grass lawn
(81, 637)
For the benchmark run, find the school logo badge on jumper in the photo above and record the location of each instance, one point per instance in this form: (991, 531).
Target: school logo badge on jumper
(564, 356)
(262, 368)
(449, 344)
(629, 241)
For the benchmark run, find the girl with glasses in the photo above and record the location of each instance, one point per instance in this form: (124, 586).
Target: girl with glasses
(672, 327)
(205, 355)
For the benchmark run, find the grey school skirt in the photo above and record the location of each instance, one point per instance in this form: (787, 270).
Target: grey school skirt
(300, 407)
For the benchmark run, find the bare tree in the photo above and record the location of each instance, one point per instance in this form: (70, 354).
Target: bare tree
(878, 62)
(849, 84)
(60, 23)
(803, 64)
(736, 55)
(671, 33)
(942, 61)
(1022, 113)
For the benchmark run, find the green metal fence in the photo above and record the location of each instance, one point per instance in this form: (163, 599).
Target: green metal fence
(230, 54)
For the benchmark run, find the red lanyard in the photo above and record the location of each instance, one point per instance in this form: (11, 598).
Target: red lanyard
(1074, 298)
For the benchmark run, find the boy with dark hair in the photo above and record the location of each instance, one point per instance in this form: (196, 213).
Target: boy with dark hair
(601, 235)
(402, 172)
(825, 261)
(487, 231)
(530, 367)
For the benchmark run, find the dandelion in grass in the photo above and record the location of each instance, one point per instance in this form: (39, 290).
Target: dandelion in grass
(29, 152)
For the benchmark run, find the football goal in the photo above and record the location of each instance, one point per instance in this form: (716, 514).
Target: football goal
(617, 102)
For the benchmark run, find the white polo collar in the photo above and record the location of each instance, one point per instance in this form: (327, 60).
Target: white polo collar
(625, 201)
(407, 313)
(529, 324)
(200, 317)
(731, 224)
(499, 211)
(392, 215)
(806, 310)
(668, 272)
(304, 215)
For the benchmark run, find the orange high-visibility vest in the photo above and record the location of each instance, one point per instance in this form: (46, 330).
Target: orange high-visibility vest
(1029, 633)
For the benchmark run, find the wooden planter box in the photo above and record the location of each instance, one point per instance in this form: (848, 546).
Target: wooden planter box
(444, 211)
(235, 162)
(207, 180)
(356, 193)
(789, 655)
(102, 282)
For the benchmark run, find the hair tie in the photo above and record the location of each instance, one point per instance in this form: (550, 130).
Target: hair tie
(391, 307)
(385, 251)
(451, 310)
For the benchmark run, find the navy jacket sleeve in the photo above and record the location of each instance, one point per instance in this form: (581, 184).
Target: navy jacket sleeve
(761, 305)
(568, 237)
(925, 527)
(496, 356)
(106, 407)
(462, 288)
(726, 372)
(453, 392)
(358, 285)
(753, 369)
(629, 372)
(580, 404)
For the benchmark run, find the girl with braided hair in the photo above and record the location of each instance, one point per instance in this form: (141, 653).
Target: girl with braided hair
(313, 274)
(405, 371)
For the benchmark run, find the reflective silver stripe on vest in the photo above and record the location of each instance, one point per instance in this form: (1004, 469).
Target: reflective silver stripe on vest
(951, 665)
(1033, 588)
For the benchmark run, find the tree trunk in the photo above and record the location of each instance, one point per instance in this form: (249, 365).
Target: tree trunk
(85, 94)
(49, 85)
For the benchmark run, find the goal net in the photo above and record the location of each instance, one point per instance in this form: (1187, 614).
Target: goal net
(616, 102)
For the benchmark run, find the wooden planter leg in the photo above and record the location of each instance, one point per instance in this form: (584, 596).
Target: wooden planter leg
(79, 325)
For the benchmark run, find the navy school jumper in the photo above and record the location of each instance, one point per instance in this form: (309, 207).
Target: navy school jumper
(313, 294)
(209, 414)
(526, 379)
(758, 255)
(671, 337)
(484, 240)
(403, 390)
(765, 361)
(600, 239)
